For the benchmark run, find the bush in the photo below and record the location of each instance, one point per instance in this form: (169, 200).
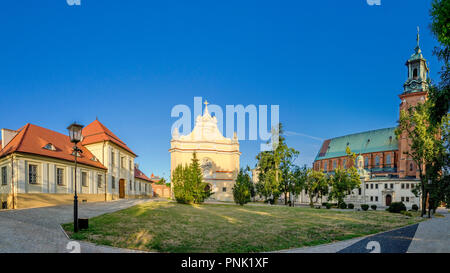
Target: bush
(406, 213)
(415, 207)
(328, 205)
(397, 207)
(374, 207)
(364, 207)
(324, 204)
(342, 205)
(351, 206)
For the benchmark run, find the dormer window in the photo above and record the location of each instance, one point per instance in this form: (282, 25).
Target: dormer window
(78, 154)
(50, 147)
(94, 158)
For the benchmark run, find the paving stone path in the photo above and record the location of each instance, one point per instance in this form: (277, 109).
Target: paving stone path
(39, 229)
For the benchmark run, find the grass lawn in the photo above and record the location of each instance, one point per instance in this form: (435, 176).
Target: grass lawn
(172, 227)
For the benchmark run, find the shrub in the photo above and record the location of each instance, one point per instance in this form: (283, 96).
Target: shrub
(324, 204)
(374, 207)
(328, 205)
(397, 207)
(241, 189)
(342, 205)
(351, 206)
(415, 207)
(364, 207)
(406, 213)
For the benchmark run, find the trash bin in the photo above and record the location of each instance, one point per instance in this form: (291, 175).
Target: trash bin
(83, 223)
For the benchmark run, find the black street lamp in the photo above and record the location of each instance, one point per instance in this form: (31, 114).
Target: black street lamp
(75, 137)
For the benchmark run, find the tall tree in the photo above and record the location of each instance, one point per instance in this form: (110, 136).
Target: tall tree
(188, 184)
(297, 178)
(425, 143)
(274, 166)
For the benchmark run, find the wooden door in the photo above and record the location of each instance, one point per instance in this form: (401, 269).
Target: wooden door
(121, 188)
(388, 200)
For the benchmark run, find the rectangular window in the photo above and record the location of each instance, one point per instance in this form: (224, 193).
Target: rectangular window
(407, 199)
(371, 198)
(376, 186)
(145, 187)
(99, 180)
(131, 186)
(376, 198)
(407, 186)
(60, 176)
(359, 191)
(140, 187)
(392, 186)
(113, 182)
(385, 186)
(4, 176)
(367, 186)
(84, 179)
(334, 164)
(112, 159)
(403, 199)
(129, 165)
(224, 189)
(403, 186)
(412, 186)
(32, 174)
(371, 186)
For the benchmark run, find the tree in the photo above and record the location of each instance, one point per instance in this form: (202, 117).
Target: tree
(297, 179)
(344, 180)
(242, 190)
(188, 185)
(316, 185)
(274, 167)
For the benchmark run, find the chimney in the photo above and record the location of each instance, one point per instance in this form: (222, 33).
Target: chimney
(7, 136)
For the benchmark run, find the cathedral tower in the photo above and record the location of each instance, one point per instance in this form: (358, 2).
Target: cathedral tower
(415, 91)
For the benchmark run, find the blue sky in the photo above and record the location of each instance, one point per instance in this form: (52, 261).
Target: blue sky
(334, 67)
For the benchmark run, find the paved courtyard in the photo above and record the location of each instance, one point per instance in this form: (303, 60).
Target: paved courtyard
(39, 230)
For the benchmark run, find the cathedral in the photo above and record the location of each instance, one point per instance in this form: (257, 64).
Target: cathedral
(387, 173)
(218, 155)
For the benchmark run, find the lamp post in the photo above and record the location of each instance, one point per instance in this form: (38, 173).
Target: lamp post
(75, 137)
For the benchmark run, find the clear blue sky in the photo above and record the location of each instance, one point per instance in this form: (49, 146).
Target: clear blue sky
(334, 67)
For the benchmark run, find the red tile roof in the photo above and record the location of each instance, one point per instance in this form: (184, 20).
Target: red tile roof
(31, 139)
(97, 132)
(139, 174)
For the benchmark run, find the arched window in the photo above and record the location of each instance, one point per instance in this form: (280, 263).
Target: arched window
(415, 73)
(411, 167)
(377, 161)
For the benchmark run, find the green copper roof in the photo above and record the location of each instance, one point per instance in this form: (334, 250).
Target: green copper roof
(365, 142)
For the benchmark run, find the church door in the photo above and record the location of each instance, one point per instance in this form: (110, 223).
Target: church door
(122, 188)
(388, 200)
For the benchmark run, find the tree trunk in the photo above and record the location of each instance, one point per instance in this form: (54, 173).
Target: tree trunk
(285, 197)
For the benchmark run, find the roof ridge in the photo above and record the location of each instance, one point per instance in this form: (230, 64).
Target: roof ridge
(26, 127)
(363, 132)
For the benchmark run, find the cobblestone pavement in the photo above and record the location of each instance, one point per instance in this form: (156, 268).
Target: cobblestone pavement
(39, 229)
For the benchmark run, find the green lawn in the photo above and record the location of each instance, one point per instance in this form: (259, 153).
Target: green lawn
(172, 227)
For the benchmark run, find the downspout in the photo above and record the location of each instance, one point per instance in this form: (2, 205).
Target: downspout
(12, 183)
(106, 180)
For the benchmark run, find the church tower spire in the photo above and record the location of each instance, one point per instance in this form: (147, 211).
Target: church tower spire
(417, 71)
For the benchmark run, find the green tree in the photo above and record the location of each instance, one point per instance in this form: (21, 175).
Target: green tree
(297, 181)
(274, 167)
(242, 190)
(188, 185)
(425, 143)
(316, 185)
(344, 180)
